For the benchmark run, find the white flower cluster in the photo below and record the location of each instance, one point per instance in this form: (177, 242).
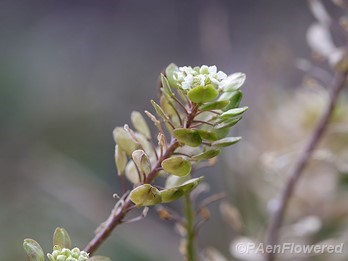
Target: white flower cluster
(189, 77)
(65, 254)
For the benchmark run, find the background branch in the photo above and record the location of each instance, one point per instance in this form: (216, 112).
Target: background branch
(338, 83)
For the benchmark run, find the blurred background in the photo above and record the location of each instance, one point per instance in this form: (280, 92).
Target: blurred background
(70, 71)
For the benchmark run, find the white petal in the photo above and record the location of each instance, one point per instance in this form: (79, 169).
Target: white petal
(212, 69)
(221, 75)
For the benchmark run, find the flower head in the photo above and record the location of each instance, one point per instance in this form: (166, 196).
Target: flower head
(189, 78)
(65, 254)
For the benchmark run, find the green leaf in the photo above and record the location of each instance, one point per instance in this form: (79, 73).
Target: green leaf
(120, 160)
(177, 166)
(226, 141)
(227, 123)
(140, 124)
(61, 238)
(215, 105)
(33, 250)
(99, 258)
(171, 194)
(170, 70)
(188, 137)
(233, 113)
(232, 82)
(145, 195)
(206, 155)
(203, 94)
(123, 139)
(142, 161)
(207, 135)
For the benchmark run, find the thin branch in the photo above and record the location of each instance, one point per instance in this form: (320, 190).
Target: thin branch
(338, 83)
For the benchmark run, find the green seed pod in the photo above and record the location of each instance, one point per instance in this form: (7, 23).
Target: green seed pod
(203, 94)
(207, 135)
(120, 160)
(145, 195)
(140, 124)
(215, 105)
(177, 166)
(172, 194)
(234, 99)
(166, 87)
(228, 123)
(33, 250)
(206, 155)
(232, 82)
(233, 113)
(173, 181)
(170, 70)
(61, 238)
(226, 142)
(142, 161)
(188, 137)
(123, 139)
(160, 111)
(190, 185)
(131, 173)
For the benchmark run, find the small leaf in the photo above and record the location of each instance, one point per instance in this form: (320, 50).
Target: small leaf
(177, 166)
(145, 195)
(215, 105)
(140, 124)
(203, 94)
(170, 71)
(171, 194)
(188, 137)
(61, 238)
(33, 250)
(227, 123)
(232, 82)
(233, 113)
(99, 258)
(206, 155)
(123, 139)
(142, 161)
(207, 135)
(120, 160)
(226, 141)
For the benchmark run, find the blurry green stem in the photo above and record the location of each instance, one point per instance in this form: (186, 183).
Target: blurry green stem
(190, 229)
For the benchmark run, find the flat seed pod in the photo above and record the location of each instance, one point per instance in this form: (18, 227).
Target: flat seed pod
(170, 70)
(145, 195)
(140, 124)
(171, 194)
(206, 155)
(207, 135)
(61, 238)
(120, 160)
(227, 123)
(215, 105)
(234, 98)
(33, 250)
(232, 82)
(233, 113)
(142, 161)
(188, 137)
(177, 166)
(190, 185)
(123, 139)
(226, 142)
(203, 94)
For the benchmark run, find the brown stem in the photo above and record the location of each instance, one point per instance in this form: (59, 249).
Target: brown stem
(337, 85)
(120, 211)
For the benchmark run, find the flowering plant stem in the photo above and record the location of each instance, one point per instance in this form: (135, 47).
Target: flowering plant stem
(125, 205)
(190, 229)
(338, 83)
